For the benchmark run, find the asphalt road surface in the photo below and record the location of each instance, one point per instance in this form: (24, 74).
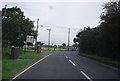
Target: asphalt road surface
(68, 65)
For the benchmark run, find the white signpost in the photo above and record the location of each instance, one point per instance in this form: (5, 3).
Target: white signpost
(30, 39)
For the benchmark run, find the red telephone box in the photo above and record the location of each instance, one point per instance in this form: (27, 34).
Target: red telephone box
(38, 47)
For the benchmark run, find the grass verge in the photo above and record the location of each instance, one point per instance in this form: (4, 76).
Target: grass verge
(105, 60)
(0, 69)
(13, 67)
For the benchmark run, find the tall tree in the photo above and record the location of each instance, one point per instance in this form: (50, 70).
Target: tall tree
(104, 39)
(15, 27)
(110, 23)
(63, 44)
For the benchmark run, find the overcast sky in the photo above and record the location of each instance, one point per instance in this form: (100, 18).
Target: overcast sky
(59, 16)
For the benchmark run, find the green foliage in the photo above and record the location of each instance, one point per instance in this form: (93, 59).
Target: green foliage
(15, 27)
(29, 55)
(111, 27)
(63, 44)
(105, 60)
(104, 39)
(6, 53)
(16, 66)
(0, 69)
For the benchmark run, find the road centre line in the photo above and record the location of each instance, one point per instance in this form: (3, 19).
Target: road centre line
(86, 76)
(66, 57)
(80, 71)
(30, 67)
(72, 63)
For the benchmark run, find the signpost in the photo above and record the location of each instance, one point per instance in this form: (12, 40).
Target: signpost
(29, 39)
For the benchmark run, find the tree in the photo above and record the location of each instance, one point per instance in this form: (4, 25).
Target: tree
(15, 27)
(63, 44)
(110, 24)
(102, 40)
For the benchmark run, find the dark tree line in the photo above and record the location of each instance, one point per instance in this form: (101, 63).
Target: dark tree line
(102, 40)
(15, 27)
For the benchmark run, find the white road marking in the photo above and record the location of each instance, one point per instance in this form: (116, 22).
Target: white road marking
(72, 63)
(86, 76)
(66, 57)
(30, 67)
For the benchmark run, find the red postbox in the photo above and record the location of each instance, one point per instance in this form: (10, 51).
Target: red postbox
(38, 47)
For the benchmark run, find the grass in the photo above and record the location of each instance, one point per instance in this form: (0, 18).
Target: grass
(58, 49)
(104, 60)
(13, 67)
(6, 53)
(29, 55)
(0, 69)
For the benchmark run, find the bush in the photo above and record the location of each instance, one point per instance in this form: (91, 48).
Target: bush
(6, 53)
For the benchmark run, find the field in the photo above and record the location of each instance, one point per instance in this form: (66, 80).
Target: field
(60, 48)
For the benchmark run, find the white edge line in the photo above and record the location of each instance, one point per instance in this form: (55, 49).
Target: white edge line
(72, 63)
(30, 67)
(86, 76)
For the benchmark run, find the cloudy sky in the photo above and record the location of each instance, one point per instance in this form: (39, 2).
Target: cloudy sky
(59, 16)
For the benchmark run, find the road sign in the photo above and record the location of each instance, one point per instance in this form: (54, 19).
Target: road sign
(30, 39)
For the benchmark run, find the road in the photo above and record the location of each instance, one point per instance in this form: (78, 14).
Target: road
(68, 65)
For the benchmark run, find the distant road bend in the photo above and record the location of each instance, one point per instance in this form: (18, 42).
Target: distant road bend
(68, 65)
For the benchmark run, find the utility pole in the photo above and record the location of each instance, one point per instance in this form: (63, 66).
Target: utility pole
(36, 35)
(5, 12)
(68, 37)
(49, 38)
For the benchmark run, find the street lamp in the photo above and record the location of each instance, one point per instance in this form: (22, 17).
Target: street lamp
(49, 38)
